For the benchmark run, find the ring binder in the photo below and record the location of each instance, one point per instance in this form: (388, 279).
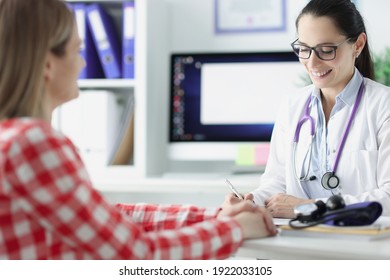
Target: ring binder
(128, 40)
(88, 51)
(106, 41)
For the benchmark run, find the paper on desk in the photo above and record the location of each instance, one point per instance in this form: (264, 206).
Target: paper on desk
(280, 221)
(379, 229)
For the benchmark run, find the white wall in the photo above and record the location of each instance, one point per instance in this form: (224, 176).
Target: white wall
(377, 20)
(192, 27)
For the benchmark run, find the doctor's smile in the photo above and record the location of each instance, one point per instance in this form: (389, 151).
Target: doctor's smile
(320, 74)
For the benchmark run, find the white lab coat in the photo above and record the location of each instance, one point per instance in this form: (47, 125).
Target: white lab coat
(364, 166)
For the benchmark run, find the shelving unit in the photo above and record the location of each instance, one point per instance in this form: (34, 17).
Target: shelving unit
(149, 89)
(107, 83)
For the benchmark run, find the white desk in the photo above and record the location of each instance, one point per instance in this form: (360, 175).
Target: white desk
(201, 189)
(186, 183)
(303, 248)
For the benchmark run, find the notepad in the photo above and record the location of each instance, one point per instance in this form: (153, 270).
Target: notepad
(379, 230)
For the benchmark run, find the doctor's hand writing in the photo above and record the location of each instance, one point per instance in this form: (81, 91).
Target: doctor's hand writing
(282, 205)
(231, 199)
(255, 221)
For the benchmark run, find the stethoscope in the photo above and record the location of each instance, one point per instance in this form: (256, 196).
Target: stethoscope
(329, 180)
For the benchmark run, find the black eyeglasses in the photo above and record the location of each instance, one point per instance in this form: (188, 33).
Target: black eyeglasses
(324, 52)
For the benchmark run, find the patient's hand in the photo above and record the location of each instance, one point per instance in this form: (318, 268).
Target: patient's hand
(255, 221)
(256, 224)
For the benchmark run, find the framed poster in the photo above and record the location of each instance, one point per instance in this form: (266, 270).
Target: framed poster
(235, 16)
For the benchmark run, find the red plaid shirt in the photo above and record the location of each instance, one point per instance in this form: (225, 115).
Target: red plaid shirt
(49, 209)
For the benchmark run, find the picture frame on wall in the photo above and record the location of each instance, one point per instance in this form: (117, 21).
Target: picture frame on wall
(241, 16)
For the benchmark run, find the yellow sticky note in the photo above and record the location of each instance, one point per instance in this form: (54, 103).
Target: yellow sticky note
(245, 155)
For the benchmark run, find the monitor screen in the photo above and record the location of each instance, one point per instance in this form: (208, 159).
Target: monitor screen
(223, 99)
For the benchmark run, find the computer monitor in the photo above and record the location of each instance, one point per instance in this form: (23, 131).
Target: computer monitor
(221, 100)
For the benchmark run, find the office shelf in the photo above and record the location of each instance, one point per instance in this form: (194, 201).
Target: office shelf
(107, 83)
(150, 81)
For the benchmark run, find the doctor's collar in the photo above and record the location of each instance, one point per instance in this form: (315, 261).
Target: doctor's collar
(348, 94)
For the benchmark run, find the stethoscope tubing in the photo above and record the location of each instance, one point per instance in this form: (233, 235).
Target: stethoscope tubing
(306, 117)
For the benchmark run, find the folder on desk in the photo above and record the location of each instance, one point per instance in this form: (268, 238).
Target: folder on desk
(93, 69)
(106, 40)
(128, 40)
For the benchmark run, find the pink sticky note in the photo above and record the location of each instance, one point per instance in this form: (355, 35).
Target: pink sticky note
(261, 153)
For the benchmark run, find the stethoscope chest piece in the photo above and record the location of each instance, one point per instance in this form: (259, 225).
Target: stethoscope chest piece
(330, 181)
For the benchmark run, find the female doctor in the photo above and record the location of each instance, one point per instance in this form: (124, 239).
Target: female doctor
(332, 137)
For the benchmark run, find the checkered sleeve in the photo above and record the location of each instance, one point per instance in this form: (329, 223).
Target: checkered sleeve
(158, 217)
(49, 183)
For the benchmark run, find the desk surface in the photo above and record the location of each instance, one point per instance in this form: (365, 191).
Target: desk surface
(303, 248)
(186, 183)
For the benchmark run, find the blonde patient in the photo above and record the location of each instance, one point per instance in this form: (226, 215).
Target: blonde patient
(49, 208)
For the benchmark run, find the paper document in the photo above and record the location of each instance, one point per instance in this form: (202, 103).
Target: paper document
(378, 230)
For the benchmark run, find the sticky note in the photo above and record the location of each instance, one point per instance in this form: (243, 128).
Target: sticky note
(245, 155)
(261, 153)
(250, 155)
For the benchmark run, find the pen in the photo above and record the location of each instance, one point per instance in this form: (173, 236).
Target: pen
(234, 189)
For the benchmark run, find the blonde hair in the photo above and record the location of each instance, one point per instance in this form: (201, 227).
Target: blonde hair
(29, 30)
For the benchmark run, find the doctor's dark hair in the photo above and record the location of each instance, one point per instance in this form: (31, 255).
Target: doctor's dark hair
(29, 31)
(350, 24)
